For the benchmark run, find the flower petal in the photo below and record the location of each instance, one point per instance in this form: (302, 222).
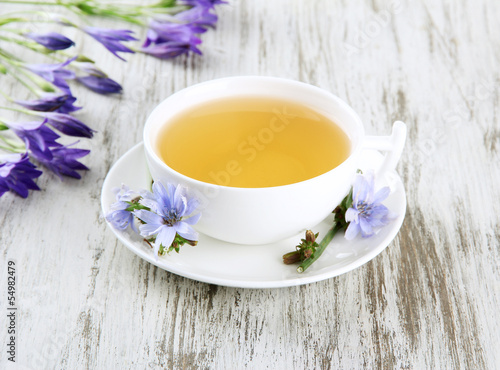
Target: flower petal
(192, 204)
(149, 230)
(381, 195)
(366, 229)
(359, 189)
(352, 230)
(186, 231)
(149, 217)
(351, 215)
(165, 237)
(193, 219)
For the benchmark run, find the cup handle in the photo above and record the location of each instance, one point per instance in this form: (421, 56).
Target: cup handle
(393, 145)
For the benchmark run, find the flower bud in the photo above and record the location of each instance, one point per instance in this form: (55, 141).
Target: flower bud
(310, 237)
(291, 258)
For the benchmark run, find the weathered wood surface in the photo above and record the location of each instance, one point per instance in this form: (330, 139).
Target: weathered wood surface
(430, 300)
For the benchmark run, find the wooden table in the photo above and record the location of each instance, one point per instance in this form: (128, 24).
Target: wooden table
(430, 300)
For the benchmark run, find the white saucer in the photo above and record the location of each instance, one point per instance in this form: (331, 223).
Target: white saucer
(217, 262)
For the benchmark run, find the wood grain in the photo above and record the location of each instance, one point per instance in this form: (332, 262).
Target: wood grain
(430, 300)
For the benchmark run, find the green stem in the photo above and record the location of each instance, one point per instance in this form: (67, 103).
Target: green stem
(22, 82)
(12, 145)
(20, 110)
(322, 246)
(7, 97)
(25, 2)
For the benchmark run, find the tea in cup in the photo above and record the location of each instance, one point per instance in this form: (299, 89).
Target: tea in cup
(266, 157)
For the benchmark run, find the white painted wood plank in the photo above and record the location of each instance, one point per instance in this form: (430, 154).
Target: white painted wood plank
(429, 301)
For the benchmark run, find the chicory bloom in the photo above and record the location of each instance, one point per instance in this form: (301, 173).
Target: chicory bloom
(68, 124)
(37, 137)
(51, 102)
(111, 39)
(366, 213)
(64, 161)
(119, 216)
(54, 73)
(101, 85)
(51, 40)
(169, 215)
(17, 174)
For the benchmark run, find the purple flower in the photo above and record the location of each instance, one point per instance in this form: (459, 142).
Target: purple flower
(17, 174)
(54, 73)
(170, 49)
(199, 16)
(50, 103)
(168, 31)
(203, 3)
(68, 124)
(51, 40)
(366, 213)
(64, 161)
(169, 215)
(101, 85)
(111, 39)
(68, 105)
(119, 216)
(90, 68)
(37, 137)
(167, 40)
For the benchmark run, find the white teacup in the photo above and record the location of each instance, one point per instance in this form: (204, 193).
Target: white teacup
(266, 215)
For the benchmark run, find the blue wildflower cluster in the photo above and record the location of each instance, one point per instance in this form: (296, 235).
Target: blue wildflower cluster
(173, 29)
(165, 216)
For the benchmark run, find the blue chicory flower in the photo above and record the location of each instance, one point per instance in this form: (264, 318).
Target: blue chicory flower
(68, 124)
(54, 73)
(366, 213)
(51, 40)
(17, 174)
(64, 161)
(101, 85)
(170, 215)
(119, 217)
(111, 39)
(51, 103)
(37, 137)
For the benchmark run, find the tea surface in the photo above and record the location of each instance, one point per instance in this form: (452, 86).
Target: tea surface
(252, 143)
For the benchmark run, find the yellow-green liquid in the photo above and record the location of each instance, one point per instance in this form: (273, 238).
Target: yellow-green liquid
(252, 143)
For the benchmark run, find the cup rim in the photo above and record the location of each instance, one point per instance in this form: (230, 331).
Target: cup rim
(241, 79)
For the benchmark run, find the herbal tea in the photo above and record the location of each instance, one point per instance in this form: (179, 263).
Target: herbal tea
(252, 143)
